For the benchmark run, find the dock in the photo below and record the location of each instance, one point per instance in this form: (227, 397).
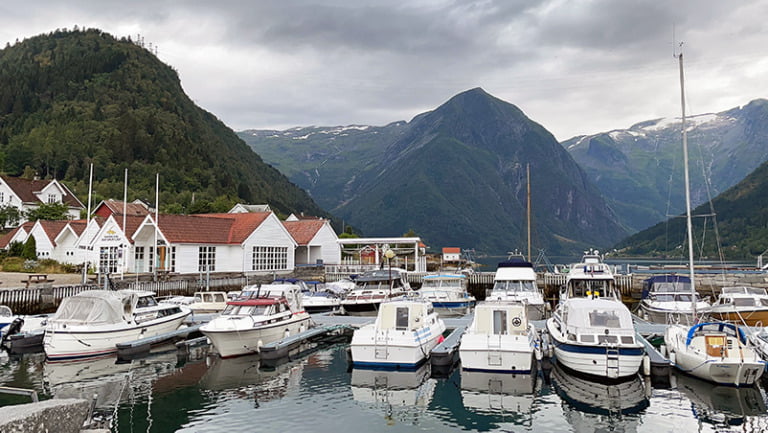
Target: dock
(290, 346)
(130, 349)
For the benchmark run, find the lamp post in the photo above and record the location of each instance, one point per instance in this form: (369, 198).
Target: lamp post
(389, 254)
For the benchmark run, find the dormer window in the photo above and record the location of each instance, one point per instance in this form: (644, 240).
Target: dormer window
(52, 198)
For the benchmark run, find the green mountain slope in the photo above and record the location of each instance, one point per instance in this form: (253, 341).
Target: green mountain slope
(71, 98)
(455, 175)
(742, 225)
(324, 160)
(639, 170)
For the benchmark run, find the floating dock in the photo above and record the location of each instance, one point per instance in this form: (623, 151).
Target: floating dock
(130, 349)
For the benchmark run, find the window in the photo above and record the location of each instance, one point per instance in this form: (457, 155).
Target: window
(206, 257)
(401, 318)
(270, 258)
(499, 322)
(53, 198)
(151, 261)
(173, 259)
(108, 257)
(2, 197)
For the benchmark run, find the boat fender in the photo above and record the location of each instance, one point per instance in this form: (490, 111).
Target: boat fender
(301, 328)
(287, 333)
(672, 357)
(516, 322)
(646, 365)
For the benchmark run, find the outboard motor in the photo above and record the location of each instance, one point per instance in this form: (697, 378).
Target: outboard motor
(13, 328)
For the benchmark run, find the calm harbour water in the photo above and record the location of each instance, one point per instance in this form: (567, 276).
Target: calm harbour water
(171, 391)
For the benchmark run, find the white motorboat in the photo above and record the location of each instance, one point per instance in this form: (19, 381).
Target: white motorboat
(500, 339)
(448, 294)
(716, 351)
(374, 287)
(667, 299)
(595, 336)
(262, 314)
(741, 305)
(317, 299)
(92, 322)
(25, 333)
(591, 329)
(6, 317)
(515, 280)
(403, 335)
(208, 302)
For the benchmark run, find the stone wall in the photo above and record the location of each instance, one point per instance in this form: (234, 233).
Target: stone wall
(49, 416)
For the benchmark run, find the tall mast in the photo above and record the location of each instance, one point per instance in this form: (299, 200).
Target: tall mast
(687, 189)
(528, 205)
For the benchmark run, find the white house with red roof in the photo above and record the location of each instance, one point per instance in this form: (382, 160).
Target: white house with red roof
(317, 241)
(18, 234)
(253, 242)
(451, 254)
(28, 194)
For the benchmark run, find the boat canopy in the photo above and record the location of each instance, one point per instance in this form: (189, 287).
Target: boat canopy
(744, 290)
(597, 313)
(380, 275)
(97, 307)
(728, 328)
(666, 284)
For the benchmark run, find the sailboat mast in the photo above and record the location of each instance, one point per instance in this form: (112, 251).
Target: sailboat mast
(689, 226)
(528, 205)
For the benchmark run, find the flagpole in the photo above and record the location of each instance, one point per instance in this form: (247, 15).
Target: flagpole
(88, 221)
(157, 210)
(125, 233)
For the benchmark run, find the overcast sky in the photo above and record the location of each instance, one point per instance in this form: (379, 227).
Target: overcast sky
(576, 67)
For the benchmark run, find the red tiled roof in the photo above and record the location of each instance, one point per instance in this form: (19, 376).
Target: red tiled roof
(115, 207)
(26, 189)
(53, 228)
(78, 226)
(210, 228)
(451, 250)
(303, 231)
(5, 240)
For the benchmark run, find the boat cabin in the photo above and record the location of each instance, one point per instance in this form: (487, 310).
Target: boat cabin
(600, 321)
(500, 318)
(404, 316)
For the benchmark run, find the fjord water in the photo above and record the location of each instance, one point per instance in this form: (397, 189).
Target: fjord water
(172, 391)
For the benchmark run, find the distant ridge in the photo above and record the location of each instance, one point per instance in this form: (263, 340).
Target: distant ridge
(455, 175)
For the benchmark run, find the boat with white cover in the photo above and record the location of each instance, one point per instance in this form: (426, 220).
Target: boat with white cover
(716, 351)
(403, 335)
(499, 339)
(374, 287)
(667, 299)
(92, 322)
(448, 294)
(262, 314)
(741, 305)
(515, 280)
(591, 329)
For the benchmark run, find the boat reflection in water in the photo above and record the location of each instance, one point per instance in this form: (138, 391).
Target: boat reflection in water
(723, 406)
(600, 406)
(243, 378)
(403, 396)
(499, 393)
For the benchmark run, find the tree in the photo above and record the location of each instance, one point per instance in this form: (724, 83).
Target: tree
(9, 215)
(49, 211)
(30, 249)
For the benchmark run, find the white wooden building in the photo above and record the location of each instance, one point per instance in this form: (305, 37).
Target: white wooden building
(28, 194)
(317, 241)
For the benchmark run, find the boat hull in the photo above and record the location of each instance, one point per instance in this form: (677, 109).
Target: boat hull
(372, 348)
(242, 341)
(497, 353)
(83, 341)
(599, 361)
(749, 317)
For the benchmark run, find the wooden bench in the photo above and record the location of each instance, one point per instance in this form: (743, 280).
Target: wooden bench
(35, 279)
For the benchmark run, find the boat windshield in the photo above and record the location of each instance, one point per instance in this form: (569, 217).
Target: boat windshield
(604, 319)
(515, 286)
(246, 310)
(672, 286)
(669, 297)
(441, 284)
(591, 287)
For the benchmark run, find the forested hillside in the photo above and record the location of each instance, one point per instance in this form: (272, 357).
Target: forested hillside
(72, 98)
